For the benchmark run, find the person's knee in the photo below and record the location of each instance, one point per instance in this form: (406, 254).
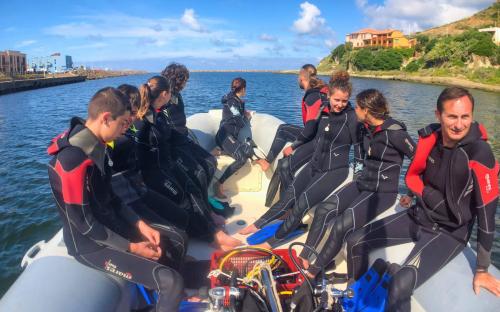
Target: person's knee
(400, 289)
(169, 281)
(327, 207)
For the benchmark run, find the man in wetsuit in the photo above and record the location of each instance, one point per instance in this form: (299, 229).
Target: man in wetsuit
(99, 230)
(454, 177)
(302, 148)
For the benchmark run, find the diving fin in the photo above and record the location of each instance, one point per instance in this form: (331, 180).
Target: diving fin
(268, 232)
(364, 287)
(377, 299)
(273, 187)
(221, 208)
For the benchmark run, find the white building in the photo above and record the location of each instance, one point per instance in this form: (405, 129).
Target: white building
(495, 31)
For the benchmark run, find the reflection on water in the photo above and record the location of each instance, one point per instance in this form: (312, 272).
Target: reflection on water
(28, 120)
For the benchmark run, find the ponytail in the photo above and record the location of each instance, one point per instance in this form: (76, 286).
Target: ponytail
(311, 73)
(145, 95)
(238, 84)
(150, 91)
(375, 102)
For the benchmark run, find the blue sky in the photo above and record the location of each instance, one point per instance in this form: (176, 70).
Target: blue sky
(208, 34)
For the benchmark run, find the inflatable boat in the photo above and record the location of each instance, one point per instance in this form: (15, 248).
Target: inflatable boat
(54, 281)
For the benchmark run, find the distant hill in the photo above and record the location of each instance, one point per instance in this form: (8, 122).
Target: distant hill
(485, 18)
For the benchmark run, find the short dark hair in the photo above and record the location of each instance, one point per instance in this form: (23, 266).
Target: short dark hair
(108, 100)
(177, 74)
(312, 75)
(452, 93)
(132, 92)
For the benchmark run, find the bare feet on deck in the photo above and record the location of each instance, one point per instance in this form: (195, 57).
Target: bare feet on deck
(264, 165)
(219, 190)
(249, 230)
(226, 242)
(216, 151)
(218, 220)
(305, 263)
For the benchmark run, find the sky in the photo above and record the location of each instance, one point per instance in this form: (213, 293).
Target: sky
(237, 34)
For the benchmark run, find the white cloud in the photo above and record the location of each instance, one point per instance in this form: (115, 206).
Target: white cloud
(411, 16)
(310, 20)
(96, 45)
(267, 37)
(25, 43)
(330, 43)
(189, 19)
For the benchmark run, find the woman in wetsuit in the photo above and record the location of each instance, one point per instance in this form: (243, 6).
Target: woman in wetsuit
(234, 118)
(127, 181)
(200, 163)
(300, 152)
(161, 172)
(336, 131)
(385, 142)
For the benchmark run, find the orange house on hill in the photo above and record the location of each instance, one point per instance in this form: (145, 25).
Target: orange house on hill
(388, 38)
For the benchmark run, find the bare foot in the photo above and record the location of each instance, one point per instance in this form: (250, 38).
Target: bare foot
(264, 165)
(305, 263)
(194, 299)
(216, 151)
(222, 239)
(309, 274)
(219, 190)
(218, 220)
(249, 230)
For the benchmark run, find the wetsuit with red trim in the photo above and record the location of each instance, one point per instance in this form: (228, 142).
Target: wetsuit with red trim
(454, 187)
(328, 168)
(370, 194)
(97, 227)
(161, 172)
(314, 102)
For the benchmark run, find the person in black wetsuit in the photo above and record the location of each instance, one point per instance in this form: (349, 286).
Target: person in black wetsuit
(160, 171)
(301, 150)
(201, 164)
(454, 176)
(385, 144)
(99, 230)
(337, 131)
(127, 181)
(234, 118)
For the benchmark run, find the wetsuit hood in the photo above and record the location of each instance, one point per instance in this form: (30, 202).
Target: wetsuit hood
(476, 132)
(81, 137)
(389, 124)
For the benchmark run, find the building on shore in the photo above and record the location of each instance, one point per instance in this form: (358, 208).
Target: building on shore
(12, 62)
(495, 31)
(388, 38)
(55, 63)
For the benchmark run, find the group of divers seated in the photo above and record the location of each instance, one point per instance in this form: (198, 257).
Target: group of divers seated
(131, 184)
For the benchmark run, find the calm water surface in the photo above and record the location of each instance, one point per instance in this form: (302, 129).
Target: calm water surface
(28, 120)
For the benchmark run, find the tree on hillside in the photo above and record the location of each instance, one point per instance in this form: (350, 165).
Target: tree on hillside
(363, 59)
(446, 50)
(479, 43)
